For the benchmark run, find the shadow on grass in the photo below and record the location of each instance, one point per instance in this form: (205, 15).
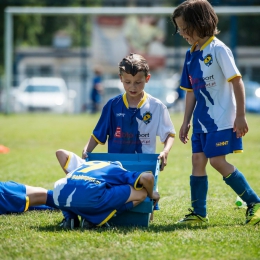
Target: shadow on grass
(124, 229)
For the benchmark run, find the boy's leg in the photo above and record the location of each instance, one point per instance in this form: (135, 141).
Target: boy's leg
(239, 184)
(199, 189)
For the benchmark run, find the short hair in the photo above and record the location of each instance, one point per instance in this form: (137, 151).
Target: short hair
(133, 63)
(199, 16)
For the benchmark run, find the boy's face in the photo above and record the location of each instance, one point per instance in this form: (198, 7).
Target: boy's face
(134, 85)
(182, 30)
(191, 39)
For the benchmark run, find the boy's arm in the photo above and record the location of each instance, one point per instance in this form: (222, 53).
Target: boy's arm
(190, 102)
(164, 154)
(240, 124)
(89, 147)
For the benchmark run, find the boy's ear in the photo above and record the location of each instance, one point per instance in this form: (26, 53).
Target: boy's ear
(147, 78)
(119, 75)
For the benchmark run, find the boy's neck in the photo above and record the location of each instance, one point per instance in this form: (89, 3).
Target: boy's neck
(134, 101)
(201, 42)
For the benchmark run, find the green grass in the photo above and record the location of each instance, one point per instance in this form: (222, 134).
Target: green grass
(33, 140)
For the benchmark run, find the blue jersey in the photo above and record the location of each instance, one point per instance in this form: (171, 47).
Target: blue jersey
(13, 197)
(207, 72)
(133, 130)
(95, 190)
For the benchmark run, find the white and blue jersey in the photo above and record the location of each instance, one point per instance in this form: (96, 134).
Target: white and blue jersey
(207, 72)
(133, 130)
(95, 190)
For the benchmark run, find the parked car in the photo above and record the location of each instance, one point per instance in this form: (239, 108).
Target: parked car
(252, 90)
(43, 94)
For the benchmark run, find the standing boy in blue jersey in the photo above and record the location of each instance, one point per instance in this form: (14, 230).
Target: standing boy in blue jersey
(215, 97)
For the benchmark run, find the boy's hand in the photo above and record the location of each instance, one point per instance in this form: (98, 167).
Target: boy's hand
(84, 154)
(163, 157)
(240, 126)
(156, 197)
(183, 134)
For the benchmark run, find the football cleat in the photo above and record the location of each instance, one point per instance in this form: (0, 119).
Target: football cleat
(193, 219)
(69, 223)
(84, 224)
(253, 214)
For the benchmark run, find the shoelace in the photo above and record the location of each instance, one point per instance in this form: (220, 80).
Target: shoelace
(194, 214)
(191, 214)
(250, 210)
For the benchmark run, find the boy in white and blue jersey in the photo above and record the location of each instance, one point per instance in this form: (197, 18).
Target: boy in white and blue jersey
(131, 121)
(216, 100)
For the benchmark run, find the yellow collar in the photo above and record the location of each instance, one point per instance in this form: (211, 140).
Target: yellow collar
(139, 104)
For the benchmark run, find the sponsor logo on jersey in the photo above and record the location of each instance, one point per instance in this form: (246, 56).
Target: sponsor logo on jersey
(147, 117)
(222, 143)
(208, 60)
(118, 132)
(120, 114)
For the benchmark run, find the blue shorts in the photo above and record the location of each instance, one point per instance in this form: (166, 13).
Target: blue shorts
(216, 143)
(13, 197)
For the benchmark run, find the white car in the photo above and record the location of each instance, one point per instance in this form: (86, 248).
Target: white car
(42, 94)
(252, 89)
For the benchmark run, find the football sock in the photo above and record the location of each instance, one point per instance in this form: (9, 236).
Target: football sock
(199, 190)
(127, 206)
(41, 207)
(50, 201)
(239, 184)
(69, 215)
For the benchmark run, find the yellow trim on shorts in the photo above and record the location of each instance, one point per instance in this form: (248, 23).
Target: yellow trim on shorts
(107, 218)
(238, 151)
(97, 140)
(27, 200)
(67, 163)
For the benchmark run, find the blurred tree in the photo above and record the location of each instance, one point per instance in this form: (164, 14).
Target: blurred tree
(35, 30)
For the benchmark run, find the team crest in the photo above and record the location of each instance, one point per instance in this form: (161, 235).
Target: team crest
(147, 117)
(208, 60)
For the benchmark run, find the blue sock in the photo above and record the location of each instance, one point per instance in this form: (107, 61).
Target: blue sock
(239, 184)
(127, 206)
(68, 214)
(41, 207)
(50, 201)
(199, 190)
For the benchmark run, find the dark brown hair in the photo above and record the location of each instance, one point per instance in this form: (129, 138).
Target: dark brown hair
(199, 16)
(132, 64)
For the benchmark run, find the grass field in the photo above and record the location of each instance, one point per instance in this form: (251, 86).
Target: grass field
(33, 140)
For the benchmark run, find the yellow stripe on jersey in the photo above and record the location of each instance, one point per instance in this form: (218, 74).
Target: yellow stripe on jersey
(93, 165)
(186, 89)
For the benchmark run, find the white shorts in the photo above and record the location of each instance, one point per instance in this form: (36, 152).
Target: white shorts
(73, 162)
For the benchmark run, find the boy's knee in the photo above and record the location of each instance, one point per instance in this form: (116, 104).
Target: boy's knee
(147, 177)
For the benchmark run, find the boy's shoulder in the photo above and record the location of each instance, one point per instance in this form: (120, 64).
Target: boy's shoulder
(153, 100)
(218, 44)
(115, 99)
